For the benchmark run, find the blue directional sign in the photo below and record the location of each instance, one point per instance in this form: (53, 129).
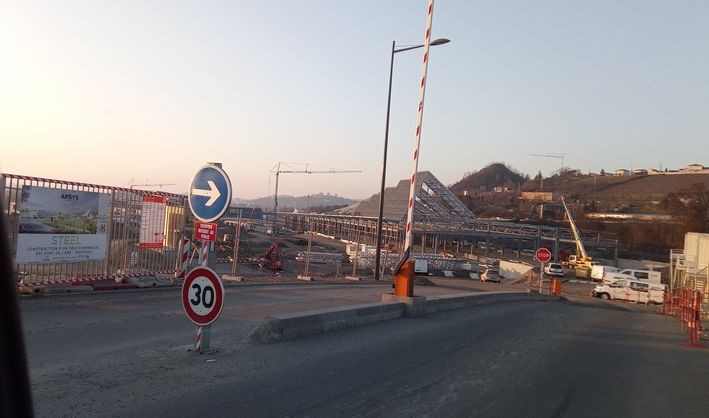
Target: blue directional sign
(210, 193)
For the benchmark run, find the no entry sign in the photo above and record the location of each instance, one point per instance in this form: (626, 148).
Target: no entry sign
(542, 255)
(202, 296)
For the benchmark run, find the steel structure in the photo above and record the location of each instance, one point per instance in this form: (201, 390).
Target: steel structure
(456, 237)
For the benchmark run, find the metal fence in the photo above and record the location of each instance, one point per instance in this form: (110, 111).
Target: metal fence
(127, 219)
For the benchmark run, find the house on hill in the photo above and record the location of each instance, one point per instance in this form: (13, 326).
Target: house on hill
(539, 196)
(694, 169)
(622, 172)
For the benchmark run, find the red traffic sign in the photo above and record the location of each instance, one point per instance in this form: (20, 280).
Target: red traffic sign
(542, 255)
(205, 231)
(202, 295)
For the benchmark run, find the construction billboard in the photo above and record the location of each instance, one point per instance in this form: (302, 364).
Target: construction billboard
(57, 225)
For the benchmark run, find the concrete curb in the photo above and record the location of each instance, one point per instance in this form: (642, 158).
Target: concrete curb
(301, 324)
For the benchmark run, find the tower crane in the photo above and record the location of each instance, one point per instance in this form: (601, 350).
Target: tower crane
(277, 170)
(150, 185)
(560, 156)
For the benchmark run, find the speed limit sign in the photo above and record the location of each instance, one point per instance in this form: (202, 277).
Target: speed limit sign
(202, 295)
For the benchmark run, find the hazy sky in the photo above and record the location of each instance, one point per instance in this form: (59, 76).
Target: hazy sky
(107, 91)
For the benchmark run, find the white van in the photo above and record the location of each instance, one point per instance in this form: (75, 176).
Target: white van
(598, 271)
(645, 275)
(631, 291)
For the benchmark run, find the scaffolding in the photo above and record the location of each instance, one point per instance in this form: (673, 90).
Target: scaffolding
(686, 271)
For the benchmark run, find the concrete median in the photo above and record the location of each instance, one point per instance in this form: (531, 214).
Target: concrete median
(465, 300)
(301, 324)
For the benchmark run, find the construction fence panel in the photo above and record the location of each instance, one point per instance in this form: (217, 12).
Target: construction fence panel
(62, 231)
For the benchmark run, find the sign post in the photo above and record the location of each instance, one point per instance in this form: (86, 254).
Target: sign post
(543, 255)
(209, 197)
(202, 300)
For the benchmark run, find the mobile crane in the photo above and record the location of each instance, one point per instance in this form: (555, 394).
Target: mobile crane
(581, 259)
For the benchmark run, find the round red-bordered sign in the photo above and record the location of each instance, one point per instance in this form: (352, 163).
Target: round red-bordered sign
(542, 255)
(202, 295)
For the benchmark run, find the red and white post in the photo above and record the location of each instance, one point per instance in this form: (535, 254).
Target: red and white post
(184, 259)
(404, 278)
(203, 332)
(419, 120)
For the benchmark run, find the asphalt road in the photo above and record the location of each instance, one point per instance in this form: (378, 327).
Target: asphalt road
(126, 354)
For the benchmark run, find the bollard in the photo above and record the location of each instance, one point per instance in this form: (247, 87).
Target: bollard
(184, 259)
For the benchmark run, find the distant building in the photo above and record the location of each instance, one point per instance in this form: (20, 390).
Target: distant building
(654, 171)
(539, 196)
(693, 168)
(501, 189)
(640, 172)
(622, 172)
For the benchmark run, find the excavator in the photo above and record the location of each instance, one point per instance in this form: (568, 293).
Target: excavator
(581, 260)
(271, 258)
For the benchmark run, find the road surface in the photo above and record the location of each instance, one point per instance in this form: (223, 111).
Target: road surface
(126, 354)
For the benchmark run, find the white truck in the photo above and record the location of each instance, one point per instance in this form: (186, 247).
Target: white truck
(649, 276)
(598, 271)
(631, 291)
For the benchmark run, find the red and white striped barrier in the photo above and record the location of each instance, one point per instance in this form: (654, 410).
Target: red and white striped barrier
(198, 343)
(184, 259)
(98, 278)
(204, 254)
(422, 94)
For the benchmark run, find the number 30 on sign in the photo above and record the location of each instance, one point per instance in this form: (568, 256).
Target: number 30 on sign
(202, 296)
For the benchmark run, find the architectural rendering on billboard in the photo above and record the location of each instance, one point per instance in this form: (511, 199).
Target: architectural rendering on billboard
(59, 225)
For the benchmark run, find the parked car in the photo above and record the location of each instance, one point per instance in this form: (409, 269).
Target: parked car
(554, 269)
(490, 275)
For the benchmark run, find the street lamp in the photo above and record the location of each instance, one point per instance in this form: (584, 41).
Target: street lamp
(378, 253)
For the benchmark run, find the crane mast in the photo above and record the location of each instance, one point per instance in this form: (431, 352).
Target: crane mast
(580, 249)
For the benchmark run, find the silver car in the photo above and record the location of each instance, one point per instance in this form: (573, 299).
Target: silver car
(490, 275)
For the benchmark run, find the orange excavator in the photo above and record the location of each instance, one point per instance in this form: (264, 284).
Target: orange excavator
(271, 259)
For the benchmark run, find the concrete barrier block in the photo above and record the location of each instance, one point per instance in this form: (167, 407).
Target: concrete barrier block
(414, 306)
(67, 289)
(148, 281)
(230, 278)
(30, 290)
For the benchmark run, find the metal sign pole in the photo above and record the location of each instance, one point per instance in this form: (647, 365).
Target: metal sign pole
(541, 276)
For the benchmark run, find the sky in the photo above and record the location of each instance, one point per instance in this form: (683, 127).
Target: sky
(147, 91)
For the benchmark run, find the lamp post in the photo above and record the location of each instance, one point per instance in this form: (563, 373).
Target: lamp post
(378, 250)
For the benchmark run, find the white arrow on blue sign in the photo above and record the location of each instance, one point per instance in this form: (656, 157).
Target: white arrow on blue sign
(210, 193)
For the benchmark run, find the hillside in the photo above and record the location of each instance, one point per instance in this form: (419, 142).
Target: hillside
(619, 190)
(487, 179)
